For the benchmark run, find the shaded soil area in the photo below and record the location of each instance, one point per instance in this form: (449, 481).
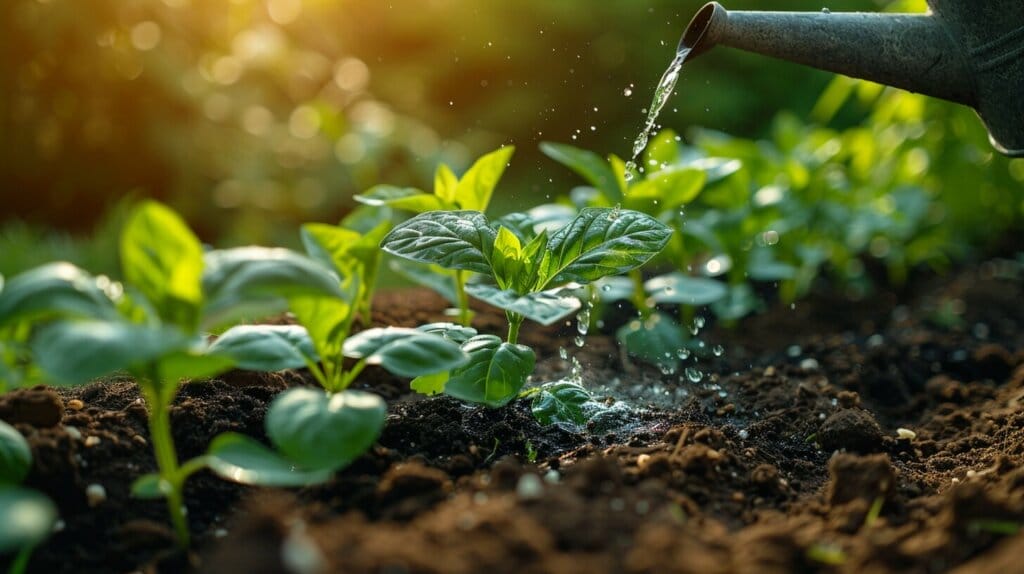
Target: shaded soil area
(878, 436)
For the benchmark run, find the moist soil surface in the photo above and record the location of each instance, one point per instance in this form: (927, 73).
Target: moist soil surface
(881, 435)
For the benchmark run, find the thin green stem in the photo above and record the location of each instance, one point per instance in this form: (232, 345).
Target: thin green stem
(350, 376)
(166, 458)
(465, 315)
(639, 294)
(514, 321)
(687, 313)
(20, 562)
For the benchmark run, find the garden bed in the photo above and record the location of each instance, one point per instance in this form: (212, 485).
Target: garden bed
(735, 473)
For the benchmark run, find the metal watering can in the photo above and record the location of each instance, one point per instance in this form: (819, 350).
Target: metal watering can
(965, 51)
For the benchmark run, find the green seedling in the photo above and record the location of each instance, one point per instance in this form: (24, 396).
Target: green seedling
(153, 327)
(526, 274)
(26, 516)
(316, 432)
(472, 191)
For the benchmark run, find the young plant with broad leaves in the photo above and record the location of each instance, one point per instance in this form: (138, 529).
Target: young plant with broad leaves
(154, 326)
(27, 516)
(472, 191)
(316, 432)
(525, 272)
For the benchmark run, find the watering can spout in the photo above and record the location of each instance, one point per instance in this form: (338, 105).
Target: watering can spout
(966, 52)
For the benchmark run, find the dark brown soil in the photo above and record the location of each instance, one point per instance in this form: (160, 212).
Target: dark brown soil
(784, 457)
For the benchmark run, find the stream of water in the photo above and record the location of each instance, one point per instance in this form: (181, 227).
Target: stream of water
(661, 94)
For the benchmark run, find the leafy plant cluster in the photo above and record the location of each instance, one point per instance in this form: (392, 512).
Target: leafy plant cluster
(772, 217)
(182, 312)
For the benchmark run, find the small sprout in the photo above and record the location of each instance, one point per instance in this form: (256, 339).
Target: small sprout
(826, 553)
(906, 434)
(874, 512)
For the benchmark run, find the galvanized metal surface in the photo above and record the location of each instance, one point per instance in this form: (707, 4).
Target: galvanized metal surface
(966, 51)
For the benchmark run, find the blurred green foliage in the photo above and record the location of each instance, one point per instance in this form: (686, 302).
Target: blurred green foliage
(250, 116)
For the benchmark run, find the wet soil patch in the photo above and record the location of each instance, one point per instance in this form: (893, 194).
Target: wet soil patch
(879, 436)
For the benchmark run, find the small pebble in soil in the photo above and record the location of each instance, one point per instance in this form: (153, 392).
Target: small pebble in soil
(95, 494)
(906, 434)
(643, 460)
(300, 554)
(552, 476)
(809, 364)
(75, 405)
(529, 487)
(73, 432)
(92, 441)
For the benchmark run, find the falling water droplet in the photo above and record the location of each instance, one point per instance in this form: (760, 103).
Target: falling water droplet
(693, 375)
(718, 350)
(579, 340)
(563, 354)
(665, 87)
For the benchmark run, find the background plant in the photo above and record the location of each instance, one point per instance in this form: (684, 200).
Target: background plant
(473, 191)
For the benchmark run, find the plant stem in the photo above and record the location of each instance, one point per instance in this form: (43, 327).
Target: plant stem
(350, 376)
(639, 294)
(20, 562)
(514, 321)
(465, 315)
(166, 458)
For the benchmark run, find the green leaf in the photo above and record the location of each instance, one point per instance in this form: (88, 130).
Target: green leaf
(600, 242)
(451, 239)
(258, 281)
(739, 302)
(163, 259)
(615, 288)
(682, 289)
(451, 331)
(324, 432)
(474, 189)
(656, 340)
(329, 244)
(327, 321)
(763, 266)
(405, 352)
(544, 307)
(406, 198)
(672, 187)
(588, 165)
(495, 372)
(74, 352)
(26, 518)
(445, 184)
(267, 347)
(55, 290)
(15, 455)
(240, 459)
(662, 150)
(507, 259)
(716, 168)
(560, 402)
(193, 364)
(150, 486)
(433, 277)
(430, 384)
